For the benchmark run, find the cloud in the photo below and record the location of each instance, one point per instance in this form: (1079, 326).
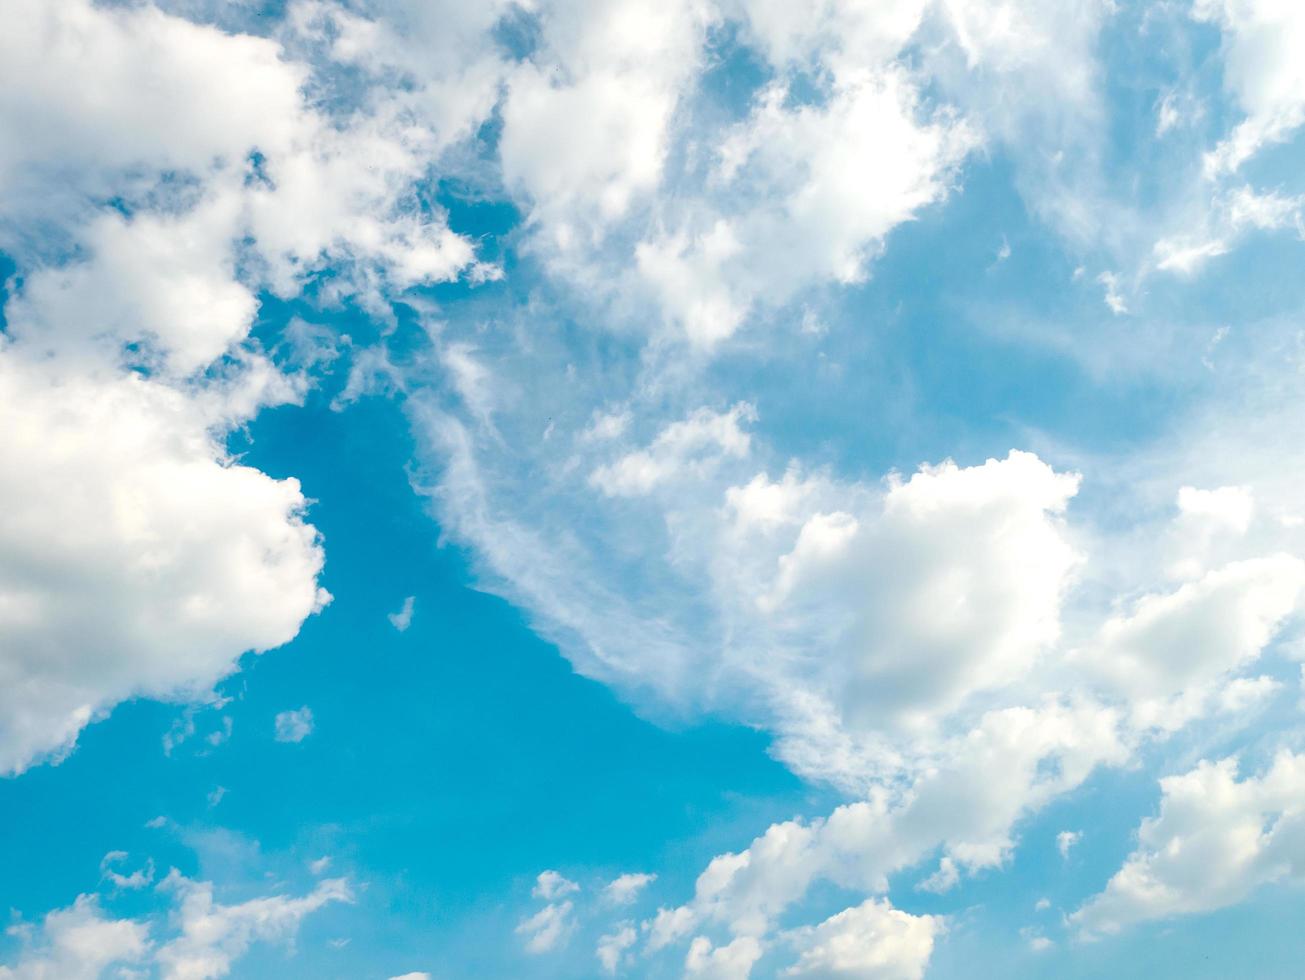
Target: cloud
(626, 888)
(1179, 643)
(181, 171)
(294, 726)
(402, 619)
(732, 961)
(681, 450)
(77, 943)
(612, 946)
(550, 885)
(870, 941)
(200, 940)
(139, 559)
(549, 928)
(823, 185)
(213, 935)
(587, 115)
(1215, 840)
(139, 878)
(1065, 841)
(1260, 41)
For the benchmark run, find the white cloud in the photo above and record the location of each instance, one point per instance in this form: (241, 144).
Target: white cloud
(1182, 641)
(295, 725)
(206, 937)
(213, 935)
(1114, 298)
(870, 941)
(823, 185)
(626, 888)
(227, 179)
(687, 448)
(1216, 840)
(732, 961)
(136, 558)
(416, 975)
(1229, 218)
(77, 943)
(1261, 42)
(586, 119)
(549, 928)
(550, 885)
(402, 619)
(139, 878)
(612, 946)
(1065, 841)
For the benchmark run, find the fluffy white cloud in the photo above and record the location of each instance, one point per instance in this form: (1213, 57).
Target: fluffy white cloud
(626, 888)
(137, 558)
(870, 941)
(551, 926)
(1065, 841)
(178, 169)
(586, 118)
(612, 946)
(550, 885)
(1262, 68)
(1215, 840)
(732, 961)
(821, 187)
(1182, 641)
(213, 935)
(293, 726)
(687, 448)
(548, 928)
(77, 943)
(402, 619)
(978, 569)
(80, 942)
(1015, 761)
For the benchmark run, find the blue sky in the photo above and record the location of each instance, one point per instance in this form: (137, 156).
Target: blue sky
(709, 488)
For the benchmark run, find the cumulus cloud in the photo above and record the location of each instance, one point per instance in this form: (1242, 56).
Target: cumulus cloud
(202, 937)
(77, 943)
(211, 935)
(872, 941)
(549, 928)
(612, 946)
(625, 889)
(180, 170)
(682, 449)
(829, 181)
(550, 885)
(1183, 641)
(402, 619)
(731, 961)
(294, 726)
(1260, 42)
(1215, 840)
(1065, 841)
(138, 557)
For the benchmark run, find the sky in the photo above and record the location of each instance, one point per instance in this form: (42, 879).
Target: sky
(651, 488)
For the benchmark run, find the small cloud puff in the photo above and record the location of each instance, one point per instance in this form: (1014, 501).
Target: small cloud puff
(402, 619)
(626, 888)
(294, 726)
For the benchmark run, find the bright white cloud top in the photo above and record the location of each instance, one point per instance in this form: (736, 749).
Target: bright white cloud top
(632, 411)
